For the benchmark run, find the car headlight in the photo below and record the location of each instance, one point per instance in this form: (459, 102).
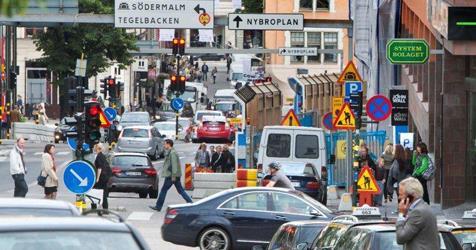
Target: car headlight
(57, 136)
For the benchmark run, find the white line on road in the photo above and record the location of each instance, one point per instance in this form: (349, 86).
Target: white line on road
(62, 153)
(145, 216)
(38, 153)
(3, 158)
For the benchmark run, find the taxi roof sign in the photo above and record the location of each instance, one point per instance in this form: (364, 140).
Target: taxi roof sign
(366, 211)
(345, 119)
(366, 181)
(349, 73)
(470, 214)
(290, 119)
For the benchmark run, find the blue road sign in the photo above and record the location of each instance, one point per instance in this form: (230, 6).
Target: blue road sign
(352, 87)
(110, 114)
(379, 108)
(327, 121)
(72, 143)
(177, 104)
(79, 177)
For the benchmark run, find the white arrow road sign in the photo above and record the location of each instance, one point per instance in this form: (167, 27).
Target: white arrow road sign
(266, 21)
(296, 51)
(83, 182)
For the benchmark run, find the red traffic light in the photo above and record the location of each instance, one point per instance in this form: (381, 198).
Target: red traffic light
(111, 82)
(93, 110)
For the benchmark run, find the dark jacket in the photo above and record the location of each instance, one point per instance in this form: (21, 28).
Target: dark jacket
(106, 171)
(217, 161)
(396, 175)
(228, 161)
(205, 68)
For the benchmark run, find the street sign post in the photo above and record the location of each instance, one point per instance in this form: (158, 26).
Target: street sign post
(110, 114)
(378, 108)
(177, 104)
(164, 14)
(327, 121)
(408, 51)
(290, 119)
(366, 186)
(266, 21)
(297, 51)
(79, 177)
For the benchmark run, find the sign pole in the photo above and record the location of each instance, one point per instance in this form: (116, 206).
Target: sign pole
(349, 160)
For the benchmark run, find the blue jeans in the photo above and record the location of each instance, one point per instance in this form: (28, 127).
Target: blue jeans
(165, 188)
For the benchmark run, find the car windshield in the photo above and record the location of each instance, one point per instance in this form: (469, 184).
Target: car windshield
(135, 118)
(67, 240)
(329, 236)
(130, 161)
(164, 126)
(30, 211)
(225, 107)
(135, 132)
(202, 114)
(315, 203)
(465, 235)
(188, 95)
(297, 169)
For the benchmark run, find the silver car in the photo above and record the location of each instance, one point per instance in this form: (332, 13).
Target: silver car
(134, 119)
(141, 139)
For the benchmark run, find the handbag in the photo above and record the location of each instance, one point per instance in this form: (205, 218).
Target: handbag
(41, 180)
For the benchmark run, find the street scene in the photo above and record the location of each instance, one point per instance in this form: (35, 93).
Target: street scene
(237, 124)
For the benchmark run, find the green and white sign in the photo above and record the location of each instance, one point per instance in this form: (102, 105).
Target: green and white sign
(407, 51)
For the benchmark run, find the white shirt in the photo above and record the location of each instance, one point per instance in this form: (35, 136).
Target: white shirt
(16, 164)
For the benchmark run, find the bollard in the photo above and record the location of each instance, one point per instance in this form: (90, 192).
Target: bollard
(79, 203)
(246, 177)
(188, 177)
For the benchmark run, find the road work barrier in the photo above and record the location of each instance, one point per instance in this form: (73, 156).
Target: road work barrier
(33, 132)
(188, 177)
(246, 177)
(206, 184)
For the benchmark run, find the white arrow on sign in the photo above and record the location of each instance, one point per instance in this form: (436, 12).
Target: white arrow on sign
(83, 182)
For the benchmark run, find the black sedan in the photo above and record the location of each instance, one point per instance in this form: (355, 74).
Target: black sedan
(62, 128)
(240, 218)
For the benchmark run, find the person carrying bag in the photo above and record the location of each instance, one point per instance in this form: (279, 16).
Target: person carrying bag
(104, 173)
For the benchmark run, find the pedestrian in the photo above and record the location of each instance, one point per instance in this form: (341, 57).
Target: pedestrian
(18, 168)
(408, 161)
(387, 158)
(228, 64)
(217, 160)
(380, 177)
(48, 169)
(202, 157)
(421, 162)
(43, 118)
(278, 179)
(212, 150)
(398, 172)
(214, 74)
(15, 115)
(20, 103)
(104, 173)
(365, 159)
(35, 113)
(205, 71)
(416, 224)
(171, 171)
(228, 160)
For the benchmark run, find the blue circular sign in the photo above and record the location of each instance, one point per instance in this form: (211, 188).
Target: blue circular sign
(327, 121)
(110, 114)
(72, 143)
(79, 177)
(379, 108)
(177, 104)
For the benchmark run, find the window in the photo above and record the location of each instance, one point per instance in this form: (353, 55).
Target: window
(135, 133)
(354, 239)
(329, 236)
(385, 240)
(285, 203)
(306, 4)
(330, 42)
(314, 40)
(307, 146)
(297, 40)
(249, 201)
(322, 4)
(279, 145)
(314, 4)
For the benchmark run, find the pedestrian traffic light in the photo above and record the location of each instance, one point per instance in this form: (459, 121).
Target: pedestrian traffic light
(173, 83)
(92, 123)
(181, 84)
(103, 87)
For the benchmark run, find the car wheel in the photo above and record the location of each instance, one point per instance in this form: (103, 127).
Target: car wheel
(153, 194)
(143, 194)
(214, 238)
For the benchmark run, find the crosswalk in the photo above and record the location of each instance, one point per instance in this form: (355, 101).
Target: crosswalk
(5, 157)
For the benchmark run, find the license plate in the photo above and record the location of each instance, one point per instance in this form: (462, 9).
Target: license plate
(215, 129)
(296, 184)
(133, 173)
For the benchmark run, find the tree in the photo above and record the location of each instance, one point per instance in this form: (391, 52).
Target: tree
(12, 7)
(101, 44)
(253, 6)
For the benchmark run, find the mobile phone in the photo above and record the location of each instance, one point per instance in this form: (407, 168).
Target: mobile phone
(410, 199)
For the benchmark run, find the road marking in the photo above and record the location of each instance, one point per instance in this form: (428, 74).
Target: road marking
(4, 158)
(38, 153)
(143, 216)
(62, 153)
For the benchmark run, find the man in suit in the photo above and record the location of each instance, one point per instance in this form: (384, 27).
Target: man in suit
(416, 224)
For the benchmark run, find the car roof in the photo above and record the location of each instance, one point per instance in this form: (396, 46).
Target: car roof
(138, 127)
(129, 154)
(136, 113)
(224, 92)
(293, 128)
(165, 122)
(209, 118)
(78, 223)
(209, 111)
(306, 223)
(33, 203)
(377, 227)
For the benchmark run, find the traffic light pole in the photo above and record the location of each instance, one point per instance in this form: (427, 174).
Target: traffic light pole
(177, 94)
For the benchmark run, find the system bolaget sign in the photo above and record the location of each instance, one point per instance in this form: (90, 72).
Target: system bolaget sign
(407, 51)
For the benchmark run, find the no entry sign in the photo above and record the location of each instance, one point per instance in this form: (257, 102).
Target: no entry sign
(379, 108)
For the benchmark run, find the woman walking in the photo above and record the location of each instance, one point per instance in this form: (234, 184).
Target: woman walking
(48, 168)
(202, 157)
(386, 162)
(214, 74)
(104, 172)
(42, 114)
(421, 162)
(398, 171)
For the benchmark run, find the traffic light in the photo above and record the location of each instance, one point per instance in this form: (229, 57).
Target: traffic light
(103, 87)
(13, 79)
(111, 85)
(173, 83)
(92, 123)
(178, 46)
(181, 84)
(181, 49)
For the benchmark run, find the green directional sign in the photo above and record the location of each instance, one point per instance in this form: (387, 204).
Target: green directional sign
(407, 51)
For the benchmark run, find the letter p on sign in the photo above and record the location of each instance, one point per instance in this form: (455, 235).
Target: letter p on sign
(352, 87)
(406, 139)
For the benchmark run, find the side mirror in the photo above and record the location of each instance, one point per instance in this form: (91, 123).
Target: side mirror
(302, 246)
(315, 213)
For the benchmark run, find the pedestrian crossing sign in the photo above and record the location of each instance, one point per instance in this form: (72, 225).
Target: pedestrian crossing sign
(345, 119)
(291, 119)
(366, 181)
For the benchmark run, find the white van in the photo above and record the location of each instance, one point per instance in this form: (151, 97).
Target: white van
(292, 144)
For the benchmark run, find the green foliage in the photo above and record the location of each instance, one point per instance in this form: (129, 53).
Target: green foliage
(100, 43)
(253, 6)
(12, 7)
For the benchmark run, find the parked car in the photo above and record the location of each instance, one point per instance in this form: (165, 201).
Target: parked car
(201, 113)
(213, 128)
(141, 139)
(62, 128)
(134, 172)
(134, 119)
(239, 218)
(304, 177)
(465, 231)
(296, 235)
(36, 207)
(167, 129)
(165, 112)
(66, 233)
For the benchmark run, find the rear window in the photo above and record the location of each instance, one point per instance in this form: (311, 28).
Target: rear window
(330, 235)
(201, 115)
(136, 133)
(130, 161)
(308, 233)
(386, 240)
(465, 236)
(43, 212)
(355, 239)
(213, 123)
(448, 242)
(307, 146)
(279, 146)
(298, 169)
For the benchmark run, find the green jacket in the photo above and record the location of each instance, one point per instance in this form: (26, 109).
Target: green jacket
(171, 166)
(421, 163)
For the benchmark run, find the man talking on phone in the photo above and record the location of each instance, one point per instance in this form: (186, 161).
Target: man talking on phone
(416, 224)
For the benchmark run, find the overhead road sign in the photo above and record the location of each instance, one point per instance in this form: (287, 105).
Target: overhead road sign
(378, 108)
(327, 121)
(297, 51)
(366, 181)
(408, 51)
(290, 119)
(275, 21)
(349, 73)
(177, 104)
(79, 177)
(164, 14)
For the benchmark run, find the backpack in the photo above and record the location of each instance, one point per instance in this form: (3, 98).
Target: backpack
(429, 173)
